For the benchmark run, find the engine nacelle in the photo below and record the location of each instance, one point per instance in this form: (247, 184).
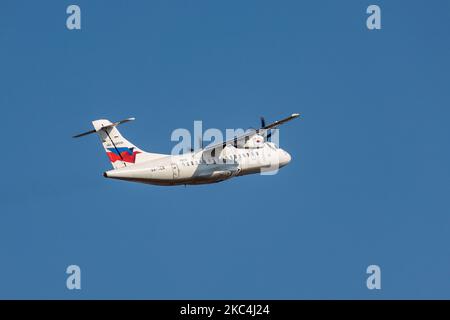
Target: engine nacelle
(256, 141)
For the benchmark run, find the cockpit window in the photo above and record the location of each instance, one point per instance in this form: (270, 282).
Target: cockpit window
(272, 145)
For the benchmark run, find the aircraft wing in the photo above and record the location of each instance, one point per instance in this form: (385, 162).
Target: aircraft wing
(242, 138)
(275, 124)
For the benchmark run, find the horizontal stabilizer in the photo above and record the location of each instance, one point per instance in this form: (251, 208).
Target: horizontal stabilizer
(104, 127)
(84, 133)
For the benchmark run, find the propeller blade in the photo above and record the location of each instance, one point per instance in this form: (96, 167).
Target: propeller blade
(263, 122)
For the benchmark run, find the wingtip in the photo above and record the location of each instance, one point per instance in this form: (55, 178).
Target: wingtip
(295, 115)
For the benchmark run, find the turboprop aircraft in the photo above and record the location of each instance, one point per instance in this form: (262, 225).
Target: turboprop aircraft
(246, 154)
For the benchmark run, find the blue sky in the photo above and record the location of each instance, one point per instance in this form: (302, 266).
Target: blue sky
(368, 184)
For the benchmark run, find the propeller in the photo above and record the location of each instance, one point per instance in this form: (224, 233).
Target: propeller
(263, 124)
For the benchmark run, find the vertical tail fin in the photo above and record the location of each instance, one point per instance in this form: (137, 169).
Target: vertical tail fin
(120, 151)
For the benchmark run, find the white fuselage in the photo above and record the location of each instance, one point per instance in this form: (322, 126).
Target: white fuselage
(203, 167)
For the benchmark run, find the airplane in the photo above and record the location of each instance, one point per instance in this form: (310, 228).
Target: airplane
(247, 154)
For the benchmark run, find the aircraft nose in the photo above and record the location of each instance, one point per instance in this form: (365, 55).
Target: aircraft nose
(285, 158)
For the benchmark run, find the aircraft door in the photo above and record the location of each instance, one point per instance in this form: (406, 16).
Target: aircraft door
(175, 171)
